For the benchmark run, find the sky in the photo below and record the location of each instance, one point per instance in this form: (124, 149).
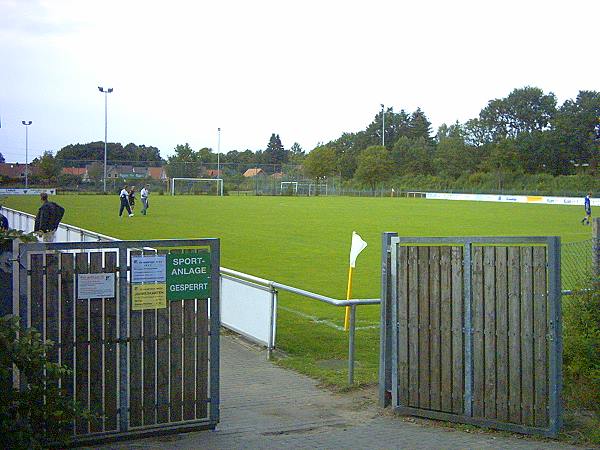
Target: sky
(306, 70)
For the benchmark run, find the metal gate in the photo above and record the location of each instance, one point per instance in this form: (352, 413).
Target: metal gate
(139, 372)
(473, 330)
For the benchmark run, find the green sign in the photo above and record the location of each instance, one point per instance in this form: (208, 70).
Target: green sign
(188, 275)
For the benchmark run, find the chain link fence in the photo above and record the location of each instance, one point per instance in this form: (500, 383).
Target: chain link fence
(577, 263)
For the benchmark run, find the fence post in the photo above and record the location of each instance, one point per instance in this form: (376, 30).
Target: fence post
(385, 324)
(596, 251)
(468, 328)
(351, 345)
(123, 339)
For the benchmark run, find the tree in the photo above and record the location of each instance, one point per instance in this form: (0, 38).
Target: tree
(374, 166)
(453, 158)
(502, 160)
(413, 156)
(185, 163)
(419, 126)
(296, 154)
(275, 153)
(523, 111)
(49, 168)
(320, 162)
(1, 158)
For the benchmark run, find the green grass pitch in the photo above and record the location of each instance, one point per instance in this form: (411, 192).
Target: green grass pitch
(305, 242)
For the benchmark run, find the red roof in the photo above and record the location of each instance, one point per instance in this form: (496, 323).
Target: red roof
(156, 173)
(13, 170)
(74, 170)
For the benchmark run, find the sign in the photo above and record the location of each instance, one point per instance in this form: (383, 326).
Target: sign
(95, 285)
(188, 275)
(148, 269)
(148, 296)
(11, 191)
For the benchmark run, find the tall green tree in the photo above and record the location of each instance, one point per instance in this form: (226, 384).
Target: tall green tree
(320, 162)
(275, 152)
(374, 166)
(185, 163)
(49, 168)
(413, 156)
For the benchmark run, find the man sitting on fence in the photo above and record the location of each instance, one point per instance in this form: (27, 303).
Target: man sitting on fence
(48, 218)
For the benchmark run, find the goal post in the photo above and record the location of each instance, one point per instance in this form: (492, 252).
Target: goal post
(290, 186)
(218, 181)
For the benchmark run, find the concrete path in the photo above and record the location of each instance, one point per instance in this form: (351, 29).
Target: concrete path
(265, 406)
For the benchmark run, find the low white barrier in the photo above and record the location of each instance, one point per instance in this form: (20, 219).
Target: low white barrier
(535, 199)
(11, 191)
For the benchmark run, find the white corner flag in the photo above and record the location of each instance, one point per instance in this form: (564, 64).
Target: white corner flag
(358, 245)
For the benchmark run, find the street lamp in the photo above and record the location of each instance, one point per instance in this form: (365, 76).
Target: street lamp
(26, 123)
(382, 126)
(106, 92)
(219, 153)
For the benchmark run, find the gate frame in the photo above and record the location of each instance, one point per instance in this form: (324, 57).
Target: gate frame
(388, 370)
(123, 432)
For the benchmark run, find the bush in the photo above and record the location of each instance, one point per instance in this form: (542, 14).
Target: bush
(581, 353)
(40, 414)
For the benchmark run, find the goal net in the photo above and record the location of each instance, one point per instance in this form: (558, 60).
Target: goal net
(289, 187)
(196, 186)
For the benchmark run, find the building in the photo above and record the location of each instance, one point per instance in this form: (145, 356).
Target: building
(16, 170)
(253, 172)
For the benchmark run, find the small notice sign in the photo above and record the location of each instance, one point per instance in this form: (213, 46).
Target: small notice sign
(148, 296)
(148, 269)
(188, 275)
(95, 285)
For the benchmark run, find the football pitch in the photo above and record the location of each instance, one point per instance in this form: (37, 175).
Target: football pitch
(305, 242)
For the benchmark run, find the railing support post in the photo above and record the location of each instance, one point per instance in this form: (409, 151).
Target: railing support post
(351, 345)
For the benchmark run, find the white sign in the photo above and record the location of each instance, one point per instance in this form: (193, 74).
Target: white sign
(27, 191)
(95, 285)
(149, 269)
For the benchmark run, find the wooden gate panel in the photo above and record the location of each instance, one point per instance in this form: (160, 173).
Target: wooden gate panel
(445, 324)
(403, 331)
(67, 289)
(540, 343)
(514, 334)
(501, 334)
(527, 336)
(434, 329)
(96, 351)
(202, 361)
(413, 327)
(478, 337)
(458, 371)
(489, 333)
(81, 346)
(424, 351)
(110, 350)
(175, 372)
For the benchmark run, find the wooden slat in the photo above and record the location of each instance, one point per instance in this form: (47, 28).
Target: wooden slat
(457, 332)
(478, 338)
(489, 296)
(96, 367)
(434, 328)
(52, 317)
(202, 363)
(527, 396)
(403, 325)
(36, 296)
(189, 359)
(446, 328)
(81, 347)
(413, 327)
(424, 355)
(163, 364)
(110, 350)
(176, 360)
(514, 334)
(149, 343)
(135, 363)
(501, 334)
(540, 337)
(67, 295)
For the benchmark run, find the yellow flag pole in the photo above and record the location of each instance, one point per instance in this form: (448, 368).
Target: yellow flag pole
(348, 296)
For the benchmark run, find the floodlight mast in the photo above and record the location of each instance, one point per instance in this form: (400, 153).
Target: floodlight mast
(382, 126)
(26, 123)
(105, 92)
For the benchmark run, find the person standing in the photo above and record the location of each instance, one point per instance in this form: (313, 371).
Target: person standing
(48, 218)
(124, 197)
(144, 196)
(587, 205)
(3, 223)
(132, 198)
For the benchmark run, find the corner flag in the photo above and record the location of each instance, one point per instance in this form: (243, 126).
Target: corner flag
(358, 245)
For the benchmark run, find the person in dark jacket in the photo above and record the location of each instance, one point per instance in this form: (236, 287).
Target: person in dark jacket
(48, 218)
(3, 223)
(124, 196)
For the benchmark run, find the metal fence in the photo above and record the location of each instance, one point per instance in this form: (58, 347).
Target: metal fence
(474, 326)
(139, 372)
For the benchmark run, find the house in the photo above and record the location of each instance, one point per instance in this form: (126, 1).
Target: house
(15, 170)
(253, 172)
(214, 173)
(79, 171)
(277, 175)
(157, 173)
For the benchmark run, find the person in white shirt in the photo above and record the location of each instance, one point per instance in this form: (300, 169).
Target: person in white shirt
(124, 196)
(144, 196)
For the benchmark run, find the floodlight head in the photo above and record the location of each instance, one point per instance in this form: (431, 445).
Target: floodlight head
(26, 122)
(100, 88)
(110, 90)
